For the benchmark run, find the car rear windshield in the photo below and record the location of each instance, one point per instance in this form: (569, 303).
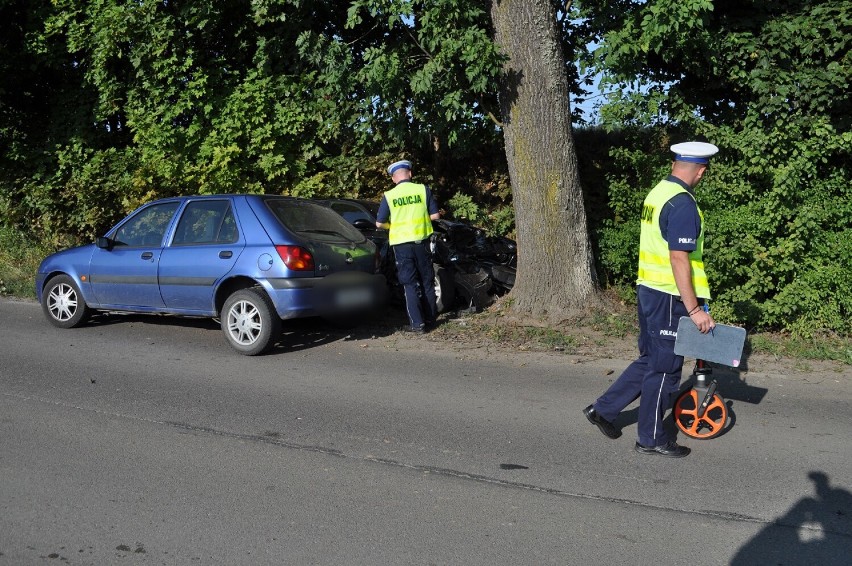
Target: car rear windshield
(313, 221)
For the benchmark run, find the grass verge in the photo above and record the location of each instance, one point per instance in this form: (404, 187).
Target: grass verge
(19, 260)
(613, 333)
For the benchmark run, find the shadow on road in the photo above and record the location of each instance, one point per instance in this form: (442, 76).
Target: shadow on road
(815, 531)
(732, 386)
(306, 333)
(296, 335)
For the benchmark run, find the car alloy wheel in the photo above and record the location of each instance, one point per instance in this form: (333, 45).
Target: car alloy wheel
(62, 303)
(250, 323)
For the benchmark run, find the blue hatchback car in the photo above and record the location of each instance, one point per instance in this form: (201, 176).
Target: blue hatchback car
(249, 260)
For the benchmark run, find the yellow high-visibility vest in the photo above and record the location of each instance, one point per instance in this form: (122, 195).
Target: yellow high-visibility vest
(655, 268)
(409, 213)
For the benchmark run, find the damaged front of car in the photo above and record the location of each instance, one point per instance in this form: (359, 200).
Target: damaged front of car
(472, 269)
(483, 267)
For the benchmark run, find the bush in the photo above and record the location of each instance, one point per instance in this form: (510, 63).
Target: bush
(20, 256)
(778, 221)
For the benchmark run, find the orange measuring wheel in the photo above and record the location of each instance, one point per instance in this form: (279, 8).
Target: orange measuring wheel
(698, 423)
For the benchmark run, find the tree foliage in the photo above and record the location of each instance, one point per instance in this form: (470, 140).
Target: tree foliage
(151, 98)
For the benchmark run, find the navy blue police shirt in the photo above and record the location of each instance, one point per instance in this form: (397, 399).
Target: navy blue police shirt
(680, 223)
(384, 208)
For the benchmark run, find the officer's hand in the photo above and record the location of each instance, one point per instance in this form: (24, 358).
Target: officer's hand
(703, 321)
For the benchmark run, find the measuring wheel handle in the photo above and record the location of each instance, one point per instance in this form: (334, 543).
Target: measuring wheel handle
(708, 398)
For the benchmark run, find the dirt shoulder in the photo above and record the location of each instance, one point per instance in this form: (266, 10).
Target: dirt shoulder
(611, 341)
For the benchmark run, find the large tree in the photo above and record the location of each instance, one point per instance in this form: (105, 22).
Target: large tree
(555, 264)
(437, 68)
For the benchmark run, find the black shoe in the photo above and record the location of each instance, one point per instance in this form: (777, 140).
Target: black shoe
(416, 330)
(604, 425)
(670, 449)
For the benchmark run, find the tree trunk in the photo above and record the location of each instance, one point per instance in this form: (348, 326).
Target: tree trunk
(556, 274)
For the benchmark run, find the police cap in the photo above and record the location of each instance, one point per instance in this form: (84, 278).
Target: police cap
(404, 164)
(694, 152)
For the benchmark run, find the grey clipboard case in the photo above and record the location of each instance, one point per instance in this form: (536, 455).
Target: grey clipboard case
(723, 346)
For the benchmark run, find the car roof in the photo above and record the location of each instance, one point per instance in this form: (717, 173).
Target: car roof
(224, 195)
(227, 195)
(370, 205)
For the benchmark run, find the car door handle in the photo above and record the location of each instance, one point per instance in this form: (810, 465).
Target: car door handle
(147, 255)
(226, 254)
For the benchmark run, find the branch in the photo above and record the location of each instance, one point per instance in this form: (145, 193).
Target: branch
(565, 11)
(356, 40)
(417, 43)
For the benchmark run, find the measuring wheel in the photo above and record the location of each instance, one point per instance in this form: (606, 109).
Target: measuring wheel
(701, 412)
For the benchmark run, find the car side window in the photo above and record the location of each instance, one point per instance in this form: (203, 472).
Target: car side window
(350, 212)
(147, 227)
(312, 220)
(207, 222)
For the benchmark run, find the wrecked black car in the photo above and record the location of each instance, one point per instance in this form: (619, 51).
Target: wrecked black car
(482, 266)
(472, 268)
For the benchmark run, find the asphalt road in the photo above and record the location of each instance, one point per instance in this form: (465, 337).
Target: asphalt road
(145, 440)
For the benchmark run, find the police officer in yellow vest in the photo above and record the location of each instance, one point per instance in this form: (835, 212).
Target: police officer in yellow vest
(671, 284)
(407, 212)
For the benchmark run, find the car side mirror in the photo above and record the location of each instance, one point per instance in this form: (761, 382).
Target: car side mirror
(364, 224)
(104, 243)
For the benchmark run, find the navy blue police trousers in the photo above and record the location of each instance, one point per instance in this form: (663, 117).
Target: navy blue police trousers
(414, 269)
(655, 375)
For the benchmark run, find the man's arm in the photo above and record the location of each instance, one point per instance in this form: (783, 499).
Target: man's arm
(383, 216)
(683, 278)
(434, 211)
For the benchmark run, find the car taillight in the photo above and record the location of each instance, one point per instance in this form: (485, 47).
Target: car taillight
(296, 258)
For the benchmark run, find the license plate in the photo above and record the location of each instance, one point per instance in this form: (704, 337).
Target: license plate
(354, 297)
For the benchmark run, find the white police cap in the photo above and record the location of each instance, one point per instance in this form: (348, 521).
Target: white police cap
(694, 152)
(404, 164)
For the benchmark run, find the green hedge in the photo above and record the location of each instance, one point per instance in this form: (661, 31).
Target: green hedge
(777, 206)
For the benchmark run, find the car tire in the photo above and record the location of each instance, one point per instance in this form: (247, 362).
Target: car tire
(63, 303)
(249, 321)
(445, 288)
(472, 289)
